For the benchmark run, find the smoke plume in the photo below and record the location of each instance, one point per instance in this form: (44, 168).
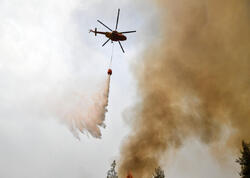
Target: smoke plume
(194, 84)
(82, 115)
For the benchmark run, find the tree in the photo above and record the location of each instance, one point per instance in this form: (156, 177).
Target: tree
(159, 173)
(244, 160)
(112, 173)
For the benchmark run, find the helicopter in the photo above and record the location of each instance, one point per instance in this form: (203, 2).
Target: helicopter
(113, 35)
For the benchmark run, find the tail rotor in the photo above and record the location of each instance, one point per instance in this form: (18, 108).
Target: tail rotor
(94, 31)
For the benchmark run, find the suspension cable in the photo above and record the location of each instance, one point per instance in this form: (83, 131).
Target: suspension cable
(111, 59)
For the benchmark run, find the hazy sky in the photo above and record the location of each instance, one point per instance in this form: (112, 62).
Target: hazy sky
(45, 52)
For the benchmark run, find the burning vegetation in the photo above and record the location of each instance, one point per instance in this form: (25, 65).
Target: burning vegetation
(159, 173)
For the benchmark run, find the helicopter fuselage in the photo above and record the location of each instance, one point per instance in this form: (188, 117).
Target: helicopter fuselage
(115, 36)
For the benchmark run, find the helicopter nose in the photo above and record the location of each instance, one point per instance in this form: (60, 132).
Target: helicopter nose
(125, 37)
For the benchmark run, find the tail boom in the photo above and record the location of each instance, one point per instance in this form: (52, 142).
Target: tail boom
(96, 32)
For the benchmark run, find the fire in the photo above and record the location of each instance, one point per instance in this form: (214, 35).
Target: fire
(129, 175)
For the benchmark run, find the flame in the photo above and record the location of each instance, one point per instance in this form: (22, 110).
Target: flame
(129, 175)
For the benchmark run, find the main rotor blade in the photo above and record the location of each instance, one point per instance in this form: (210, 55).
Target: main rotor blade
(104, 25)
(121, 46)
(105, 42)
(128, 32)
(117, 19)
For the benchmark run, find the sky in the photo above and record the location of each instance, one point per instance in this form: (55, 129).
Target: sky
(46, 56)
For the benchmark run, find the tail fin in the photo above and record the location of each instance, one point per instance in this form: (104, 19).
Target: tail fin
(94, 31)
